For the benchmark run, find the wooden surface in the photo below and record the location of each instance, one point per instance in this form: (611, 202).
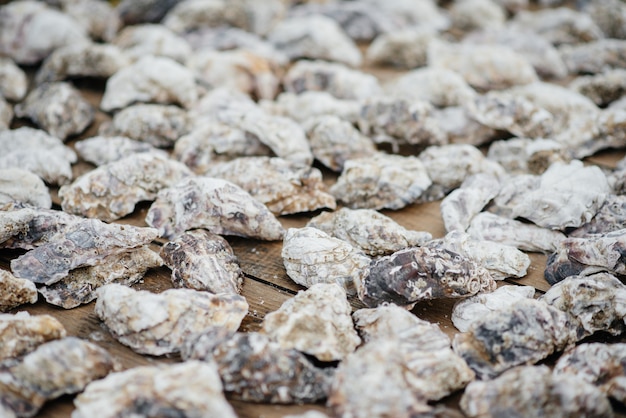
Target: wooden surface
(266, 285)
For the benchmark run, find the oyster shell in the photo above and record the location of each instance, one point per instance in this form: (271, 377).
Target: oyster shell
(594, 57)
(311, 256)
(610, 217)
(100, 19)
(34, 150)
(316, 322)
(526, 155)
(405, 48)
(22, 333)
(158, 324)
(133, 12)
(609, 15)
(82, 60)
(460, 128)
(100, 150)
(56, 368)
(598, 132)
(254, 368)
(111, 191)
(80, 244)
(309, 104)
(150, 79)
(201, 260)
(422, 273)
(13, 82)
(15, 292)
(474, 308)
(213, 204)
(484, 67)
(533, 391)
(58, 108)
(334, 141)
(285, 187)
(17, 185)
(470, 15)
(381, 181)
(526, 237)
(315, 37)
(368, 230)
(6, 114)
(602, 88)
(522, 333)
(462, 204)
(598, 364)
(334, 78)
(191, 388)
(413, 13)
(80, 285)
(30, 30)
(149, 39)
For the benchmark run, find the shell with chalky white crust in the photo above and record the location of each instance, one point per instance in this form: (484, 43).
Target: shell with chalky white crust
(311, 104)
(25, 187)
(462, 204)
(15, 292)
(13, 81)
(21, 333)
(100, 150)
(526, 155)
(140, 40)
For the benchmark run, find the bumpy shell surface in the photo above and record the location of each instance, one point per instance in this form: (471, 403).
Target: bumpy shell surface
(309, 104)
(369, 230)
(15, 292)
(595, 57)
(150, 79)
(13, 82)
(158, 324)
(609, 218)
(405, 48)
(56, 368)
(603, 88)
(284, 186)
(58, 108)
(381, 181)
(201, 260)
(111, 191)
(460, 128)
(461, 205)
(34, 150)
(469, 15)
(83, 243)
(80, 285)
(22, 186)
(100, 19)
(532, 391)
(100, 150)
(522, 333)
(190, 389)
(149, 39)
(213, 204)
(526, 155)
(254, 368)
(22, 333)
(422, 273)
(311, 256)
(474, 308)
(316, 322)
(559, 25)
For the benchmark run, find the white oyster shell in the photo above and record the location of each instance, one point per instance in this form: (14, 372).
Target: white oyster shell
(15, 292)
(22, 333)
(462, 204)
(100, 150)
(13, 82)
(17, 185)
(311, 104)
(151, 39)
(404, 48)
(526, 155)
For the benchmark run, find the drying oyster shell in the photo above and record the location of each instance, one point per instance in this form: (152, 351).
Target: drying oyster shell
(100, 19)
(213, 204)
(315, 37)
(368, 230)
(316, 322)
(460, 128)
(462, 204)
(594, 57)
(22, 333)
(30, 30)
(524, 236)
(609, 15)
(414, 13)
(100, 150)
(158, 324)
(58, 108)
(334, 78)
(285, 187)
(610, 217)
(15, 292)
(592, 303)
(522, 333)
(83, 243)
(191, 388)
(400, 121)
(80, 285)
(334, 141)
(56, 368)
(526, 155)
(484, 67)
(150, 79)
(405, 48)
(532, 391)
(311, 256)
(17, 185)
(310, 104)
(158, 125)
(381, 181)
(201, 260)
(598, 132)
(254, 368)
(602, 88)
(438, 86)
(6, 114)
(111, 191)
(500, 260)
(422, 273)
(13, 82)
(34, 150)
(82, 60)
(149, 39)
(474, 308)
(470, 15)
(598, 364)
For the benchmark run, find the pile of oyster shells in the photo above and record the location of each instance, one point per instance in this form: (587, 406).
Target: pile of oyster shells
(227, 115)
